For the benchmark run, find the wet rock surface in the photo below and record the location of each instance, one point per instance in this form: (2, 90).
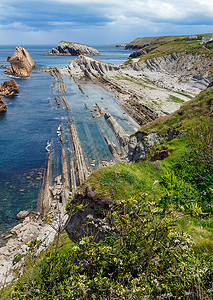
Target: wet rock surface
(3, 106)
(9, 88)
(21, 63)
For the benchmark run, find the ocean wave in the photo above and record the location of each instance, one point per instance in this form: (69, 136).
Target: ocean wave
(48, 147)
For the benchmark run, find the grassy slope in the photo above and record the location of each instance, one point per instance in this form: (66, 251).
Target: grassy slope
(142, 175)
(160, 46)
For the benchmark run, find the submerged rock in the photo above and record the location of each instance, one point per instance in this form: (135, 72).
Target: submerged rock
(3, 106)
(69, 48)
(9, 88)
(21, 63)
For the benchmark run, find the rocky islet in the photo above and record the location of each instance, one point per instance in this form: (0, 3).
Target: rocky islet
(21, 63)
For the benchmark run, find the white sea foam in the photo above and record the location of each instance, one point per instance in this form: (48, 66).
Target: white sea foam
(48, 147)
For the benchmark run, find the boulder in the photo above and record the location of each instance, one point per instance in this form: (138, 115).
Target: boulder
(70, 48)
(3, 106)
(21, 63)
(3, 66)
(22, 214)
(159, 154)
(9, 88)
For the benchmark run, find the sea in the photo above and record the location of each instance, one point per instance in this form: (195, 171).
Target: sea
(32, 123)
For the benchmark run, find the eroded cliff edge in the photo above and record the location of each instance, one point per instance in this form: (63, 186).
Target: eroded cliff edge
(150, 88)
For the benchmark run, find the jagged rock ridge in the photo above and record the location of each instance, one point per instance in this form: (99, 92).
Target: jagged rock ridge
(70, 48)
(9, 88)
(3, 106)
(21, 63)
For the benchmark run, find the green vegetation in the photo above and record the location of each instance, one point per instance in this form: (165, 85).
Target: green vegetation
(122, 77)
(154, 47)
(160, 244)
(175, 99)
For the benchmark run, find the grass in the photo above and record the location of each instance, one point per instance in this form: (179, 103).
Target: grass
(201, 230)
(122, 181)
(175, 99)
(184, 94)
(122, 77)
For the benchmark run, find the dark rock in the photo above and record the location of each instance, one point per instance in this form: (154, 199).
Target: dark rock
(159, 154)
(8, 58)
(9, 88)
(140, 144)
(88, 219)
(3, 66)
(3, 106)
(21, 63)
(172, 134)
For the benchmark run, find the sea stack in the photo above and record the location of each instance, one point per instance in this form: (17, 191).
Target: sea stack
(3, 106)
(9, 88)
(70, 48)
(21, 63)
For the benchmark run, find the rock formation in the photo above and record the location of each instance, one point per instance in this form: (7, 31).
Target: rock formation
(9, 88)
(3, 106)
(140, 145)
(21, 63)
(69, 48)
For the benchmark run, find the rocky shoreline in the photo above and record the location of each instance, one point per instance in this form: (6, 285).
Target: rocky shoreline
(143, 90)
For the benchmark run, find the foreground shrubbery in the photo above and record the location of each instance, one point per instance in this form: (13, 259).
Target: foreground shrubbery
(145, 257)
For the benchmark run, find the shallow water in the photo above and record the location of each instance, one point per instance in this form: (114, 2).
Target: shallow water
(32, 119)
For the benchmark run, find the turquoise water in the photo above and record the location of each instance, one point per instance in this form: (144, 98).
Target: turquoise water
(32, 119)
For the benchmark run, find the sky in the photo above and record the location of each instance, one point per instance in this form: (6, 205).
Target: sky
(97, 22)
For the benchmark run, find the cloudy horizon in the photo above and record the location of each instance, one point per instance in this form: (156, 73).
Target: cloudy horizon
(94, 22)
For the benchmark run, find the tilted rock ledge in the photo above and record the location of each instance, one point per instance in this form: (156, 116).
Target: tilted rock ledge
(71, 48)
(9, 88)
(21, 63)
(3, 106)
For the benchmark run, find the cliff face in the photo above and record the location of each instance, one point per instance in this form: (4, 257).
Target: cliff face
(68, 48)
(21, 63)
(9, 88)
(189, 72)
(179, 71)
(3, 106)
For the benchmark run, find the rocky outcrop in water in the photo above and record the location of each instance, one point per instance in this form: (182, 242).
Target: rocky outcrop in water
(9, 88)
(21, 63)
(3, 106)
(69, 48)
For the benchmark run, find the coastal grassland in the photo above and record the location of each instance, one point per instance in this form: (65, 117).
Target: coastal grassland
(161, 218)
(171, 45)
(158, 235)
(123, 181)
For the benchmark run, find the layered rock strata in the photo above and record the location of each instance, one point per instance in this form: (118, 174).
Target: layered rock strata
(69, 48)
(3, 106)
(21, 63)
(9, 88)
